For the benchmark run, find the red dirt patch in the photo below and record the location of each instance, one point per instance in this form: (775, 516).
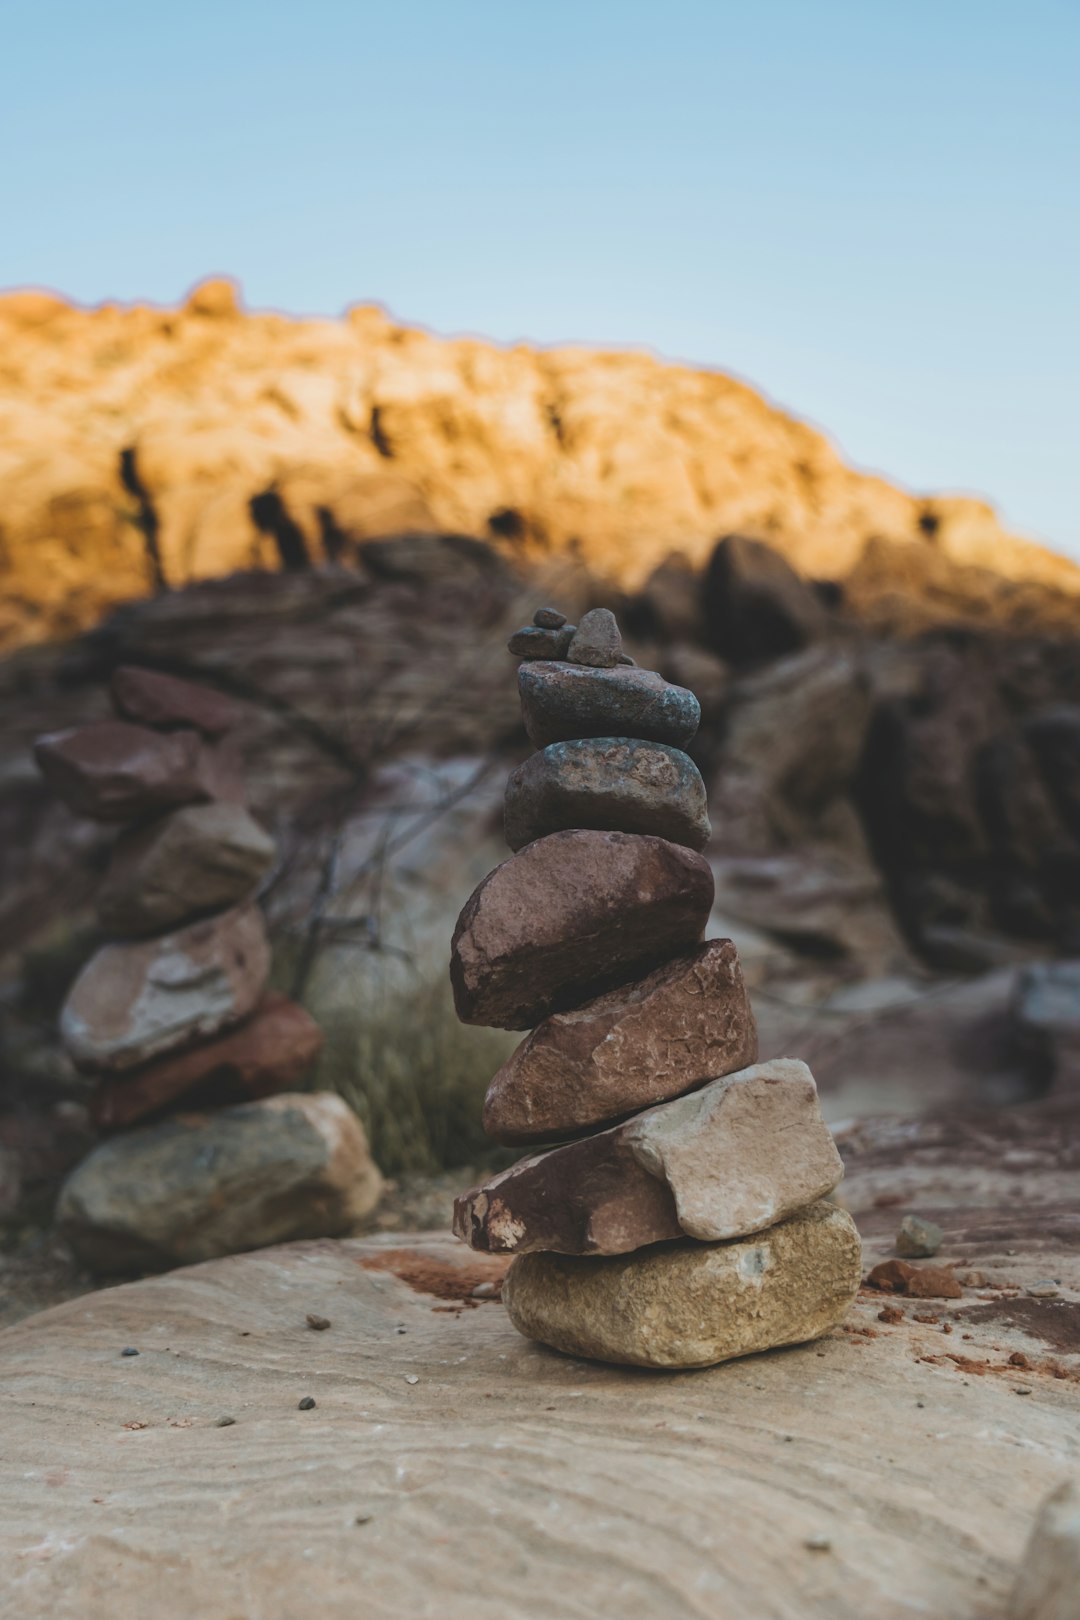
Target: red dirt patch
(444, 1279)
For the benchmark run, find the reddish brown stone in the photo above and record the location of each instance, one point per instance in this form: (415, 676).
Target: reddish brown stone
(268, 1054)
(165, 701)
(114, 771)
(687, 1022)
(917, 1282)
(736, 1157)
(572, 915)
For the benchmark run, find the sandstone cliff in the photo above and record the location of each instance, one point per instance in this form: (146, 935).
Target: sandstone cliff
(145, 447)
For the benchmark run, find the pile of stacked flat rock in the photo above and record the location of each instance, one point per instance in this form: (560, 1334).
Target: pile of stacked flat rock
(685, 1220)
(173, 1011)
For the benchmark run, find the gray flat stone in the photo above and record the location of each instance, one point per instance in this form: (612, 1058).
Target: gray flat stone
(563, 701)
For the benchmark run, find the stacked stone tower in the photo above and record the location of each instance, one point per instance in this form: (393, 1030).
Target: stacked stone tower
(683, 1219)
(173, 1012)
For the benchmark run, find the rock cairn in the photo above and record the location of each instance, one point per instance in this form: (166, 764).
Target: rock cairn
(683, 1219)
(173, 1013)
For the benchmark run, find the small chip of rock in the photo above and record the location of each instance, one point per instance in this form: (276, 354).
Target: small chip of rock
(412, 1378)
(129, 1351)
(596, 641)
(486, 1290)
(818, 1544)
(549, 618)
(224, 1422)
(918, 1239)
(307, 1404)
(318, 1324)
(1045, 1288)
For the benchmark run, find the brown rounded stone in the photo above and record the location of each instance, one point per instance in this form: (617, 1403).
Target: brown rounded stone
(113, 771)
(616, 783)
(134, 1002)
(685, 1023)
(570, 916)
(689, 1304)
(735, 1157)
(165, 701)
(269, 1053)
(596, 641)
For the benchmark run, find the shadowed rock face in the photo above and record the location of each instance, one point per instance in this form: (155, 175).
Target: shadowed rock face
(683, 1024)
(692, 1304)
(113, 771)
(571, 915)
(611, 783)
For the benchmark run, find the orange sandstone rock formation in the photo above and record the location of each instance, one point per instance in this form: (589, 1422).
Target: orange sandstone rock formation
(145, 446)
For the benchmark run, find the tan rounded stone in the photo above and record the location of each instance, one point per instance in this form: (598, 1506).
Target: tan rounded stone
(201, 1185)
(685, 1023)
(689, 1304)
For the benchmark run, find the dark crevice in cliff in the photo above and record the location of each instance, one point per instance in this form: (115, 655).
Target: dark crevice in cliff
(270, 516)
(378, 434)
(146, 519)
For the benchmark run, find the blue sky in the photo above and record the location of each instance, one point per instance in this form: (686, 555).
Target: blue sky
(870, 211)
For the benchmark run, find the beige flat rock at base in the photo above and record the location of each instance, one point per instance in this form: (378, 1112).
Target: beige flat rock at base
(689, 1304)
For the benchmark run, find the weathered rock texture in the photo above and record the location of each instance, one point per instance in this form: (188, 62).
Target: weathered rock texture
(614, 783)
(268, 1053)
(113, 771)
(737, 1156)
(561, 702)
(164, 701)
(205, 857)
(135, 1002)
(146, 446)
(201, 1185)
(571, 915)
(691, 1304)
(687, 1022)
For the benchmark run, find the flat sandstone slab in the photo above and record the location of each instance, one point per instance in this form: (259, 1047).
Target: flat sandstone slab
(691, 1304)
(572, 915)
(616, 783)
(733, 1158)
(561, 701)
(586, 1478)
(202, 858)
(685, 1023)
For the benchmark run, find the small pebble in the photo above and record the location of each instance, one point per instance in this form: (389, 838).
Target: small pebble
(318, 1324)
(484, 1290)
(412, 1378)
(363, 1518)
(1045, 1288)
(1021, 1391)
(306, 1404)
(918, 1239)
(549, 618)
(818, 1544)
(401, 1328)
(224, 1422)
(129, 1351)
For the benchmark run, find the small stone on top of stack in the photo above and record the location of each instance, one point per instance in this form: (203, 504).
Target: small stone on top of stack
(173, 1011)
(683, 1217)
